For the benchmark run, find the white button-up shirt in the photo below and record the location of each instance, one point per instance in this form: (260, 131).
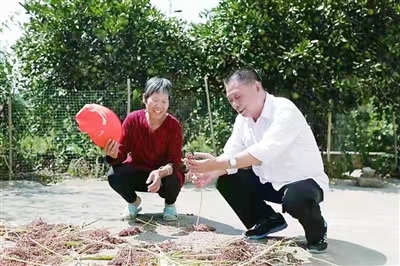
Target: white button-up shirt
(283, 141)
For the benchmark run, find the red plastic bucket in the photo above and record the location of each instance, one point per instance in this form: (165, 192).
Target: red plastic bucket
(100, 123)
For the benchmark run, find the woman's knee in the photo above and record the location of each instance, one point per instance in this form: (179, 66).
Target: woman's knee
(171, 184)
(116, 175)
(112, 178)
(170, 189)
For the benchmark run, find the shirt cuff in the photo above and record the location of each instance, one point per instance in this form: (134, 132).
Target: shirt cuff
(231, 171)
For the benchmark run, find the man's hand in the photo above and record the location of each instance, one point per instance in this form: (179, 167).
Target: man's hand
(206, 163)
(203, 180)
(111, 148)
(155, 178)
(203, 155)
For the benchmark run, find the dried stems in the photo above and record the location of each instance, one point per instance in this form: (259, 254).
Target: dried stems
(201, 204)
(46, 244)
(193, 176)
(62, 244)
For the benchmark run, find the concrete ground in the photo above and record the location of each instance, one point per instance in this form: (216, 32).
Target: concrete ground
(363, 223)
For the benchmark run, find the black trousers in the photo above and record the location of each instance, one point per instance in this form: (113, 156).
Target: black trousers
(246, 195)
(126, 181)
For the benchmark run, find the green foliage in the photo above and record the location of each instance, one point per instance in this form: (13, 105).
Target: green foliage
(5, 92)
(366, 130)
(78, 52)
(19, 115)
(315, 53)
(5, 86)
(57, 149)
(200, 143)
(329, 56)
(382, 73)
(223, 117)
(304, 47)
(73, 46)
(337, 169)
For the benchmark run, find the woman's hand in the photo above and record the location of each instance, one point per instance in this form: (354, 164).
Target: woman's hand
(111, 148)
(155, 178)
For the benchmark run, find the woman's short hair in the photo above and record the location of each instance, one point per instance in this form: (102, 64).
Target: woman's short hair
(157, 85)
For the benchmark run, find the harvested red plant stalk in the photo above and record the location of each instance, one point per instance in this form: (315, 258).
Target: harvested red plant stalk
(190, 176)
(138, 256)
(234, 253)
(189, 155)
(2, 229)
(131, 231)
(200, 228)
(49, 244)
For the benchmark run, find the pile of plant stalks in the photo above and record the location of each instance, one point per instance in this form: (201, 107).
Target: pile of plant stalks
(236, 252)
(39, 243)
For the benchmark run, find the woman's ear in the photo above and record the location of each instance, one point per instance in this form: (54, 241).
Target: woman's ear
(143, 99)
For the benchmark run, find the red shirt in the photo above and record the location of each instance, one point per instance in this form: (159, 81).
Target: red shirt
(148, 151)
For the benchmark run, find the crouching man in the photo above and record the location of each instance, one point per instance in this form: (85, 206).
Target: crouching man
(271, 156)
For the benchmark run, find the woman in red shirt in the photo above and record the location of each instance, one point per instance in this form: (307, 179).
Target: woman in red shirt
(149, 155)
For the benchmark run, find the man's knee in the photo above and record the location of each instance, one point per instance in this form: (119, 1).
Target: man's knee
(293, 203)
(221, 183)
(243, 179)
(300, 197)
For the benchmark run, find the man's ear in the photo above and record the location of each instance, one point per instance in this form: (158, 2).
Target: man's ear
(143, 99)
(258, 86)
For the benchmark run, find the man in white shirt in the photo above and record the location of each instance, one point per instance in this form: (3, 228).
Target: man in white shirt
(271, 136)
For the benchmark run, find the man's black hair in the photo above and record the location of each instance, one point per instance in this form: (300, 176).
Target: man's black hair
(245, 75)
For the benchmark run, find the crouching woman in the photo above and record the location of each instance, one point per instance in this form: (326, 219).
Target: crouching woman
(149, 154)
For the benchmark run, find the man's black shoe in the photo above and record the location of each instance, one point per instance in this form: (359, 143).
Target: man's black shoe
(320, 246)
(267, 226)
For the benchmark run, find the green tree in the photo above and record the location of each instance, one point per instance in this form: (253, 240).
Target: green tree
(76, 52)
(19, 117)
(5, 90)
(383, 71)
(313, 52)
(327, 56)
(70, 47)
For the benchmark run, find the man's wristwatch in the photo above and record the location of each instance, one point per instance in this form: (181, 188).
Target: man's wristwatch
(232, 162)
